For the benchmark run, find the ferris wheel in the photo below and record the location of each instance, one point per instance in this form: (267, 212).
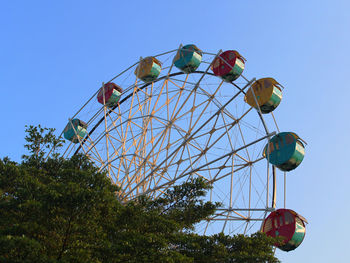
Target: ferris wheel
(189, 113)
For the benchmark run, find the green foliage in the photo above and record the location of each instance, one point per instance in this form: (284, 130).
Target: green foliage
(39, 140)
(224, 248)
(64, 210)
(55, 208)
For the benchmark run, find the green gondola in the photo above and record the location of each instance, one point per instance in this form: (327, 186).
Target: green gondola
(188, 58)
(285, 150)
(75, 130)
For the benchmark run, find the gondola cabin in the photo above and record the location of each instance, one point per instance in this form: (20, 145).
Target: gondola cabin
(109, 94)
(229, 65)
(75, 130)
(287, 224)
(285, 150)
(188, 58)
(148, 69)
(268, 94)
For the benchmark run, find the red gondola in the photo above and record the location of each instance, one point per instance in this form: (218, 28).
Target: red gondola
(229, 65)
(287, 224)
(109, 94)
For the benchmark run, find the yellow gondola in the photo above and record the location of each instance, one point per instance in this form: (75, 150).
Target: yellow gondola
(148, 69)
(268, 94)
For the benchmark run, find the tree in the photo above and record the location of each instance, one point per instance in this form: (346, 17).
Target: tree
(64, 210)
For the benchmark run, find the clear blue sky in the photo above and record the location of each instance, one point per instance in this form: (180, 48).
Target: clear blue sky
(55, 54)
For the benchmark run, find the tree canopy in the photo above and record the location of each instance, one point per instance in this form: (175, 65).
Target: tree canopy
(64, 210)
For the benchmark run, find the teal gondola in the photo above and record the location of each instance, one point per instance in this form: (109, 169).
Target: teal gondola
(285, 150)
(75, 130)
(188, 58)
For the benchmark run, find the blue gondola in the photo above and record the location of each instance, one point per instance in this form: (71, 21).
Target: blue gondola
(75, 130)
(188, 58)
(285, 150)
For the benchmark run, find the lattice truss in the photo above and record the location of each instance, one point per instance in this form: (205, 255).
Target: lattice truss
(179, 126)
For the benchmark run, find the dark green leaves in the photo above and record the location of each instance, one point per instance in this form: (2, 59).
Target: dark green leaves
(64, 210)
